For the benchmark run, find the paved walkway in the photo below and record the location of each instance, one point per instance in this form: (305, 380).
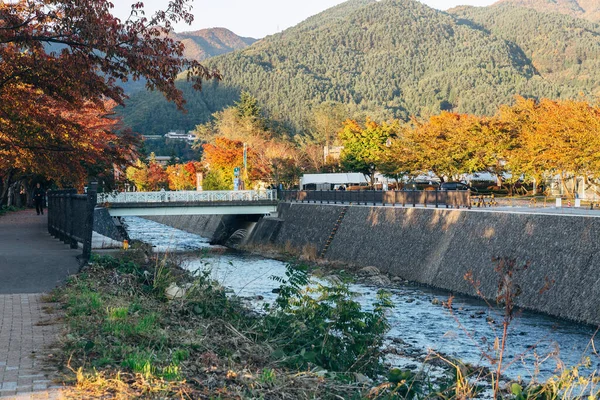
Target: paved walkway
(31, 263)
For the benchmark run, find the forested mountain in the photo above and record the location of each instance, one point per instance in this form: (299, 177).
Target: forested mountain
(587, 9)
(389, 58)
(564, 50)
(206, 43)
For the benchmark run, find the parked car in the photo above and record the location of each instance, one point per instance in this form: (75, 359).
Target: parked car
(456, 186)
(421, 185)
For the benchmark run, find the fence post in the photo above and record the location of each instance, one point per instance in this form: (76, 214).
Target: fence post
(437, 204)
(71, 216)
(375, 197)
(66, 212)
(414, 198)
(92, 197)
(50, 199)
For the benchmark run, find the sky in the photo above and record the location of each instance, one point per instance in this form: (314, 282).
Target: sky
(259, 18)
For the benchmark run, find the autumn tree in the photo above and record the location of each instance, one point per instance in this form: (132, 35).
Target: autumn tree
(399, 158)
(138, 175)
(555, 138)
(446, 144)
(59, 57)
(183, 176)
(220, 159)
(244, 124)
(149, 177)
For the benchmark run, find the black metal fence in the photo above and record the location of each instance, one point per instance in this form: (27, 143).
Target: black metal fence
(71, 217)
(404, 198)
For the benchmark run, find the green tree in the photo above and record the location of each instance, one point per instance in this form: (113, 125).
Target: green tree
(364, 146)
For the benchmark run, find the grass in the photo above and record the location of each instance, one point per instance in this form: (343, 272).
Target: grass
(125, 340)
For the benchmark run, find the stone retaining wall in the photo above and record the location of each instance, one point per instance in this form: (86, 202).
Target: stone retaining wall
(106, 225)
(438, 247)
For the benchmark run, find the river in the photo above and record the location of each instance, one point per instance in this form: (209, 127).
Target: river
(420, 322)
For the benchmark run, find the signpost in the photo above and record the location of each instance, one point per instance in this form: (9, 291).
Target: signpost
(236, 178)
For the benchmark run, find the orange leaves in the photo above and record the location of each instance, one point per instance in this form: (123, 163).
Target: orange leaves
(182, 176)
(45, 136)
(555, 137)
(53, 116)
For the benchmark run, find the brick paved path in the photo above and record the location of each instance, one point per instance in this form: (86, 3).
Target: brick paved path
(31, 263)
(27, 332)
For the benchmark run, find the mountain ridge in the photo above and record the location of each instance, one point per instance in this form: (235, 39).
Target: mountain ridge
(585, 9)
(205, 43)
(386, 59)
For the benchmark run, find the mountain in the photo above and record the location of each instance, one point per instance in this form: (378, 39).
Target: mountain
(199, 45)
(586, 9)
(388, 58)
(206, 43)
(564, 50)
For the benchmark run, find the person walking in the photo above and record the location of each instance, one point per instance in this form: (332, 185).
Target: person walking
(38, 199)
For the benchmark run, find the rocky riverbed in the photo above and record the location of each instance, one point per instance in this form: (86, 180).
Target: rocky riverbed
(422, 323)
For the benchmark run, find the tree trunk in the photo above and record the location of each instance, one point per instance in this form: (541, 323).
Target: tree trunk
(564, 184)
(6, 182)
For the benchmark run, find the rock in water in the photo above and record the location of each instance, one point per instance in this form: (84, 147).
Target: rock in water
(378, 280)
(369, 271)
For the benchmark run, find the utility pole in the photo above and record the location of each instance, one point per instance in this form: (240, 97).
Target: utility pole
(245, 163)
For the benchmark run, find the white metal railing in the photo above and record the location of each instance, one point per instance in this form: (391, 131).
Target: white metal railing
(186, 196)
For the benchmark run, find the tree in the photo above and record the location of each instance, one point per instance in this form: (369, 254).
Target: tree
(446, 143)
(242, 124)
(138, 174)
(149, 177)
(399, 158)
(326, 122)
(364, 146)
(555, 138)
(183, 176)
(60, 59)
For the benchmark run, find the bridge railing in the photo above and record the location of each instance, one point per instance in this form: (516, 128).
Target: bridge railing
(426, 198)
(71, 217)
(187, 196)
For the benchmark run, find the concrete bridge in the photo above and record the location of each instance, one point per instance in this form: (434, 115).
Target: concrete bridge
(240, 202)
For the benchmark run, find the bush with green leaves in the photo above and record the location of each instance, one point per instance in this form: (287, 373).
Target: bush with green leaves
(7, 209)
(313, 324)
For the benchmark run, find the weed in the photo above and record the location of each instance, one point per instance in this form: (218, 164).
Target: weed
(267, 376)
(324, 326)
(140, 362)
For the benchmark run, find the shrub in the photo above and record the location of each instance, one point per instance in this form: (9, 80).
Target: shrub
(324, 326)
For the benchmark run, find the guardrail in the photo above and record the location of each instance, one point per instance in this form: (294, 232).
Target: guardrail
(187, 196)
(426, 198)
(71, 217)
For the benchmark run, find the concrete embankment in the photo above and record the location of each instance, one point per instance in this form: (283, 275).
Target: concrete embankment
(438, 247)
(218, 228)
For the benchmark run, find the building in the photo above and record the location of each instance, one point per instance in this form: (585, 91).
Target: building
(331, 181)
(181, 135)
(164, 160)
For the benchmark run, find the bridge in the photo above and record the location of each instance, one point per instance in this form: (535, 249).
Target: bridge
(240, 202)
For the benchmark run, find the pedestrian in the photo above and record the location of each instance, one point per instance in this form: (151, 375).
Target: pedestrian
(38, 199)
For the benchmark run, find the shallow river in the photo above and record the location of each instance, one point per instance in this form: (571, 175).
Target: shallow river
(420, 324)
